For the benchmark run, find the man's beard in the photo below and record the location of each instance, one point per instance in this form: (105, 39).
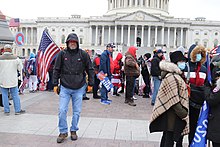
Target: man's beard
(72, 48)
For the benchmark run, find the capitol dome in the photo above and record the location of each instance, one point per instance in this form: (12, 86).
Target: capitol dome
(156, 7)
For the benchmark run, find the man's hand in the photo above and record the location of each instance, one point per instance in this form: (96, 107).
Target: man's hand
(55, 89)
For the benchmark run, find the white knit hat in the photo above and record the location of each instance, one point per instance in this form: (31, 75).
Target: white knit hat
(7, 46)
(98, 52)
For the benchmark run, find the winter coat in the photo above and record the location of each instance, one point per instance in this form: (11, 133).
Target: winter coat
(155, 69)
(197, 74)
(213, 99)
(10, 65)
(116, 80)
(117, 65)
(105, 63)
(71, 67)
(96, 64)
(170, 112)
(130, 68)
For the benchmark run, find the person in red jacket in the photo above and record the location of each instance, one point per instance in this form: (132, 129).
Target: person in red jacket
(96, 64)
(117, 74)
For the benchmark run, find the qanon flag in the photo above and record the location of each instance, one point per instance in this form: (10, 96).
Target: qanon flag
(199, 139)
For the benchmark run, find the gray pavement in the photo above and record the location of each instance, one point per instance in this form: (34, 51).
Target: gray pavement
(115, 125)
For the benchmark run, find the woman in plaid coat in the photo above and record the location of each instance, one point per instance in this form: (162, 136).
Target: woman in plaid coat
(170, 113)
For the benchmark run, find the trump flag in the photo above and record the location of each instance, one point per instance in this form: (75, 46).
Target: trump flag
(199, 139)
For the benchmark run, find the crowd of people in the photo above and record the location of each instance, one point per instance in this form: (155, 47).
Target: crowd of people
(177, 86)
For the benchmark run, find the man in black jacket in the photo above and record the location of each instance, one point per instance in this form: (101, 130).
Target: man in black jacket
(156, 73)
(70, 69)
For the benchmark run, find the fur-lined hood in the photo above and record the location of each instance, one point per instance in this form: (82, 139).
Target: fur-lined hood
(169, 67)
(197, 50)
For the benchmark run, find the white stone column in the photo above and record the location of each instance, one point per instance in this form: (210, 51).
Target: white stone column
(122, 35)
(103, 34)
(109, 34)
(136, 3)
(181, 37)
(158, 2)
(162, 35)
(168, 37)
(142, 36)
(141, 3)
(174, 42)
(32, 36)
(119, 3)
(129, 35)
(130, 3)
(149, 30)
(96, 36)
(115, 35)
(155, 35)
(135, 35)
(187, 37)
(26, 37)
(90, 34)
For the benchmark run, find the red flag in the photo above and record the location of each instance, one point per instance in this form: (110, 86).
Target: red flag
(14, 22)
(47, 52)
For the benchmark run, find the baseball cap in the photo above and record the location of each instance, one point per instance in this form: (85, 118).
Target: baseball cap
(159, 51)
(110, 45)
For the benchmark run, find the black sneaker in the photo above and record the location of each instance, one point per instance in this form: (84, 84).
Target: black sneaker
(19, 113)
(61, 137)
(85, 98)
(97, 97)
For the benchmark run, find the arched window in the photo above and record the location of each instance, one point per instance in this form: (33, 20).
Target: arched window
(34, 51)
(23, 52)
(63, 39)
(149, 3)
(29, 51)
(128, 2)
(133, 3)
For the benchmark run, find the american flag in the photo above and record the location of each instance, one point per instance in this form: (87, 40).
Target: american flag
(47, 52)
(215, 50)
(14, 22)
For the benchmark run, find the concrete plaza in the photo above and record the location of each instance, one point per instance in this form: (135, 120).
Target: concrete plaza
(115, 125)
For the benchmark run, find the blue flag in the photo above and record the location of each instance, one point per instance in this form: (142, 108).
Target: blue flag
(199, 139)
(104, 80)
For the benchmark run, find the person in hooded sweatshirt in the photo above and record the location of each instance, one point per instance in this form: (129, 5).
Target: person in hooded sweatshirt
(197, 82)
(70, 69)
(117, 74)
(170, 113)
(132, 71)
(31, 69)
(212, 95)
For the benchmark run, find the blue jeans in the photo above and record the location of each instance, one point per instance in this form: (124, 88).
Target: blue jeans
(76, 97)
(104, 92)
(15, 97)
(157, 82)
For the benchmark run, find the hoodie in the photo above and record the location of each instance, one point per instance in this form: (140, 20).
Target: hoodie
(71, 67)
(117, 63)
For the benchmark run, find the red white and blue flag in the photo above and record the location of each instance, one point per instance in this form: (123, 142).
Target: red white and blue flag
(215, 50)
(47, 52)
(14, 22)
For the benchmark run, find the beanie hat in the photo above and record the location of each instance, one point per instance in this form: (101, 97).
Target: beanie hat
(177, 56)
(98, 52)
(7, 46)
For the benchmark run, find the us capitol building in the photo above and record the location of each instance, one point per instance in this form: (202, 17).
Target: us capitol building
(142, 23)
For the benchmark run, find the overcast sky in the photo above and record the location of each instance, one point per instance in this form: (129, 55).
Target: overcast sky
(29, 9)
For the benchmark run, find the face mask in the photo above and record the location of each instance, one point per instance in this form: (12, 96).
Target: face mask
(198, 57)
(181, 65)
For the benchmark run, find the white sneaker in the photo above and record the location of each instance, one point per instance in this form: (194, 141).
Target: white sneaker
(134, 98)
